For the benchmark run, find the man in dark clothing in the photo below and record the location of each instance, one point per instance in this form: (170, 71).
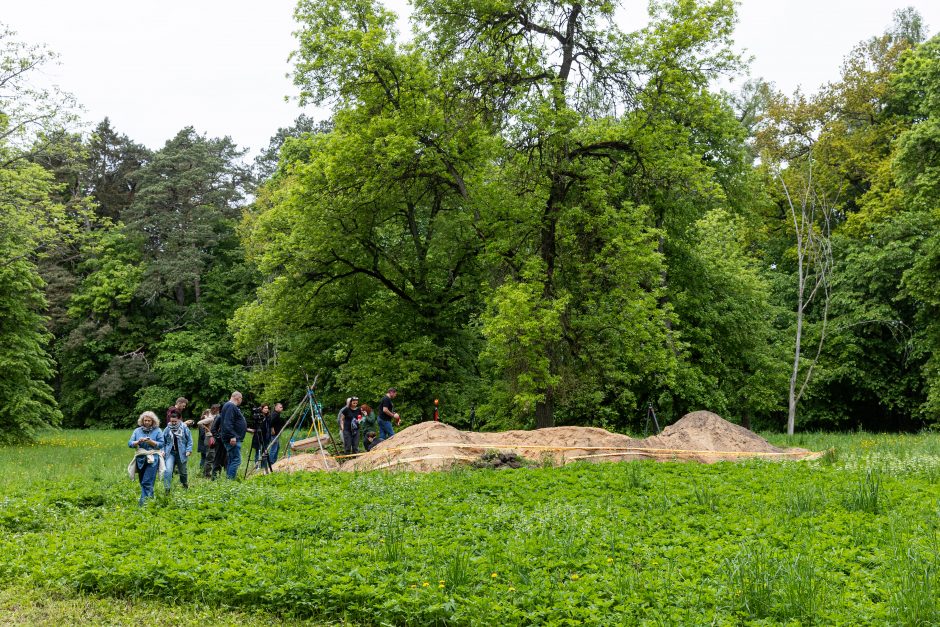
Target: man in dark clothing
(215, 448)
(178, 408)
(232, 430)
(260, 433)
(349, 419)
(277, 423)
(387, 414)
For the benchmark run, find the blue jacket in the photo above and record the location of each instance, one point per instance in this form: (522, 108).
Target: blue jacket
(233, 423)
(186, 444)
(153, 433)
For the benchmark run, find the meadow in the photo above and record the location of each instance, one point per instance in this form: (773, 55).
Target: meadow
(852, 538)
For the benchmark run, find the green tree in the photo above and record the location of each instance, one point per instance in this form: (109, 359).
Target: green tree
(33, 224)
(367, 233)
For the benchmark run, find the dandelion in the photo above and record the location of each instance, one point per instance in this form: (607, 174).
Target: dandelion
(440, 585)
(425, 584)
(511, 589)
(440, 581)
(494, 575)
(574, 577)
(413, 586)
(609, 560)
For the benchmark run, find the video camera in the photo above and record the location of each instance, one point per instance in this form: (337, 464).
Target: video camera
(257, 417)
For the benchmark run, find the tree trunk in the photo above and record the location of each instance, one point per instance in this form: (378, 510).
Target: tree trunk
(545, 412)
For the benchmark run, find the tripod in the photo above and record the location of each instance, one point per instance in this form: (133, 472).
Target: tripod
(261, 457)
(308, 406)
(651, 415)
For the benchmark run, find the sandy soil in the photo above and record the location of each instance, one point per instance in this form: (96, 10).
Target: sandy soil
(700, 436)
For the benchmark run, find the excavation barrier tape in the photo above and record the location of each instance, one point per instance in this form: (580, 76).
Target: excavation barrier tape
(623, 450)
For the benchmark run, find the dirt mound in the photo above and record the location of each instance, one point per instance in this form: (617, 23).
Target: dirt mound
(703, 436)
(700, 436)
(308, 460)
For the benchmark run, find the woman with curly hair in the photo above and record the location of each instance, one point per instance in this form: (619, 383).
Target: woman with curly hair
(147, 439)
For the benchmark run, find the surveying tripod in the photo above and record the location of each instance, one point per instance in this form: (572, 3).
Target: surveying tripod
(651, 415)
(310, 407)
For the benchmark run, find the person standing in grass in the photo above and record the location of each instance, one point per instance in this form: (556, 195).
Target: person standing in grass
(177, 409)
(202, 427)
(339, 422)
(215, 448)
(177, 447)
(147, 439)
(233, 429)
(387, 415)
(277, 423)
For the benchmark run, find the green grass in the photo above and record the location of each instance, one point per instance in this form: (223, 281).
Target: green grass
(851, 538)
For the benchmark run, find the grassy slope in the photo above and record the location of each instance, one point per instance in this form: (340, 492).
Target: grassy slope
(665, 543)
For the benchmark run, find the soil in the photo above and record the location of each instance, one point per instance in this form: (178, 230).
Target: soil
(699, 436)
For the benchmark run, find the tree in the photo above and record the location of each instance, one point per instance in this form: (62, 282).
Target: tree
(367, 233)
(186, 197)
(812, 227)
(32, 224)
(611, 142)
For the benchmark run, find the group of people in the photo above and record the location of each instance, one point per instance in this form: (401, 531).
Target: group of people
(222, 429)
(354, 420)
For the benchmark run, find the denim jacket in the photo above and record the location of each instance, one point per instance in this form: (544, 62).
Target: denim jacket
(153, 433)
(186, 444)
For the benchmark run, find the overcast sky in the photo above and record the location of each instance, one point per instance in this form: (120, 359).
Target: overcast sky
(155, 67)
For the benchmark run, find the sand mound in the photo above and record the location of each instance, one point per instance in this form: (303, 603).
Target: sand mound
(700, 436)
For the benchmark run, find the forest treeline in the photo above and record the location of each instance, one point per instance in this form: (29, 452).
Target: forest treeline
(522, 210)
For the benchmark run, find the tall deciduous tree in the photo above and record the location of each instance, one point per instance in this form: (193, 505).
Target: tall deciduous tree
(32, 224)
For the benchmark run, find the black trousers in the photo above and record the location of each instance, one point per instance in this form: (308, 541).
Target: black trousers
(219, 461)
(350, 442)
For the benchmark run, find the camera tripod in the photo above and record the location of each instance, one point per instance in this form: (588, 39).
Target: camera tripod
(308, 406)
(261, 457)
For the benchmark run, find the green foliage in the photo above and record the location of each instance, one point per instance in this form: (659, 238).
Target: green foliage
(29, 224)
(734, 365)
(689, 543)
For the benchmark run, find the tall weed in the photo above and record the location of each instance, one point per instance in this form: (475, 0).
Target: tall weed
(867, 494)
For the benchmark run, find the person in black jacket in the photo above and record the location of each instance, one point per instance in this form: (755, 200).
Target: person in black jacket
(277, 423)
(349, 423)
(215, 447)
(232, 431)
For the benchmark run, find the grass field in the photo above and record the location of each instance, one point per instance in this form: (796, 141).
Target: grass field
(853, 538)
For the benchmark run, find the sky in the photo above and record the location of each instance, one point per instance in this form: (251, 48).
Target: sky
(155, 67)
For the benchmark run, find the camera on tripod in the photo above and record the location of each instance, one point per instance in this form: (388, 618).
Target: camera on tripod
(257, 417)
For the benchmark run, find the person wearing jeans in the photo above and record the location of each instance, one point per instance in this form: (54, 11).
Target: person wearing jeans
(387, 414)
(233, 429)
(147, 439)
(177, 447)
(233, 453)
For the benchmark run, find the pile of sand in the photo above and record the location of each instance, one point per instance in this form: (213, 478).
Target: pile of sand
(700, 436)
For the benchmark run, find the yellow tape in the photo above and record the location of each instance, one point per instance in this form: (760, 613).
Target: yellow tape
(567, 448)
